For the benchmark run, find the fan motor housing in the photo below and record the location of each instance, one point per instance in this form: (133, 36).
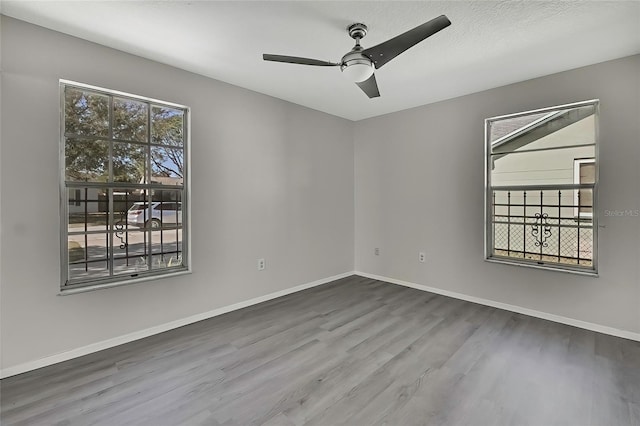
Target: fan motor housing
(354, 57)
(361, 66)
(357, 31)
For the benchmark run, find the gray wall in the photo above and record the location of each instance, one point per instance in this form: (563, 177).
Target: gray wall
(275, 180)
(270, 179)
(419, 183)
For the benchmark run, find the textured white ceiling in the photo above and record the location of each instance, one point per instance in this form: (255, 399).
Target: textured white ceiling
(489, 44)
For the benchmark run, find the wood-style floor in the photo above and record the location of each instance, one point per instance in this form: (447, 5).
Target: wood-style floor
(353, 352)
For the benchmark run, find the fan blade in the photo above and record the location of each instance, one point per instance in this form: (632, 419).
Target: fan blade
(384, 52)
(297, 60)
(370, 87)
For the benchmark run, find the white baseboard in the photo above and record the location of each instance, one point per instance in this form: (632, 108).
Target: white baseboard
(136, 335)
(513, 308)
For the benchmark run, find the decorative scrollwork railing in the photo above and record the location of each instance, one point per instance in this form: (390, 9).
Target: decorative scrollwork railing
(541, 230)
(120, 231)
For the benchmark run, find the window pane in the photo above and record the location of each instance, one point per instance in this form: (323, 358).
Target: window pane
(86, 160)
(585, 200)
(554, 129)
(537, 167)
(113, 232)
(130, 266)
(88, 256)
(167, 165)
(167, 241)
(130, 242)
(88, 209)
(129, 120)
(542, 226)
(166, 209)
(165, 218)
(129, 162)
(130, 251)
(540, 160)
(86, 113)
(168, 206)
(167, 126)
(137, 215)
(166, 261)
(587, 173)
(130, 208)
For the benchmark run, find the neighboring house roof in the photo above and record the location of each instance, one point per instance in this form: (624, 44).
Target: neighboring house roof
(501, 128)
(537, 126)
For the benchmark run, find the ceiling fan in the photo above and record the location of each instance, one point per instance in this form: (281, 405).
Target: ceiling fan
(359, 63)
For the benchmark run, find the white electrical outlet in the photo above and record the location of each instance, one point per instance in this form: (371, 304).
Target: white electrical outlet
(376, 251)
(261, 264)
(422, 257)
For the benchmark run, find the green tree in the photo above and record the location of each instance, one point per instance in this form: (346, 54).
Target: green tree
(167, 129)
(87, 146)
(86, 114)
(130, 122)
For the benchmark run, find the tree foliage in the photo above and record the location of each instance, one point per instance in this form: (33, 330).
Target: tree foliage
(86, 114)
(87, 146)
(167, 130)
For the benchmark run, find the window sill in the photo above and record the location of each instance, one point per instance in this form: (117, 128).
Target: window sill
(92, 287)
(546, 266)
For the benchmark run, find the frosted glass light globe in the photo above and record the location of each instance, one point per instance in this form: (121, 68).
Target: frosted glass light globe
(358, 71)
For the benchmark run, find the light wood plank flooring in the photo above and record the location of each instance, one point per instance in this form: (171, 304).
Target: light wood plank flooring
(353, 352)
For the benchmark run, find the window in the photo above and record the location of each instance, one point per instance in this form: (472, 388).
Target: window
(584, 172)
(124, 184)
(542, 178)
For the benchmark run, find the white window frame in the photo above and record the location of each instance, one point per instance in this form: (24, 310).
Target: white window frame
(67, 287)
(488, 214)
(576, 179)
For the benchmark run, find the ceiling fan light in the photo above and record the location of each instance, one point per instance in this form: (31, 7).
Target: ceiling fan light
(357, 71)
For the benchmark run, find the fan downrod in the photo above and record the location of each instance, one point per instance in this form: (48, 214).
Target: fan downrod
(357, 31)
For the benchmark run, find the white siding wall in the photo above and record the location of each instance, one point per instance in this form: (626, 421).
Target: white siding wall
(547, 167)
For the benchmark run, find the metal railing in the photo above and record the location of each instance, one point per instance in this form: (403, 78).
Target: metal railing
(545, 224)
(102, 244)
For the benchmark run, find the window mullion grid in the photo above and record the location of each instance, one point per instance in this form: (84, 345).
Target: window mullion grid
(529, 188)
(86, 238)
(126, 227)
(583, 231)
(111, 187)
(183, 192)
(508, 223)
(578, 243)
(110, 190)
(101, 138)
(162, 224)
(493, 220)
(127, 185)
(524, 225)
(568, 186)
(64, 216)
(555, 148)
(148, 236)
(541, 219)
(180, 212)
(559, 224)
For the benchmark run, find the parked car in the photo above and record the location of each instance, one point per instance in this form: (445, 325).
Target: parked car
(166, 213)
